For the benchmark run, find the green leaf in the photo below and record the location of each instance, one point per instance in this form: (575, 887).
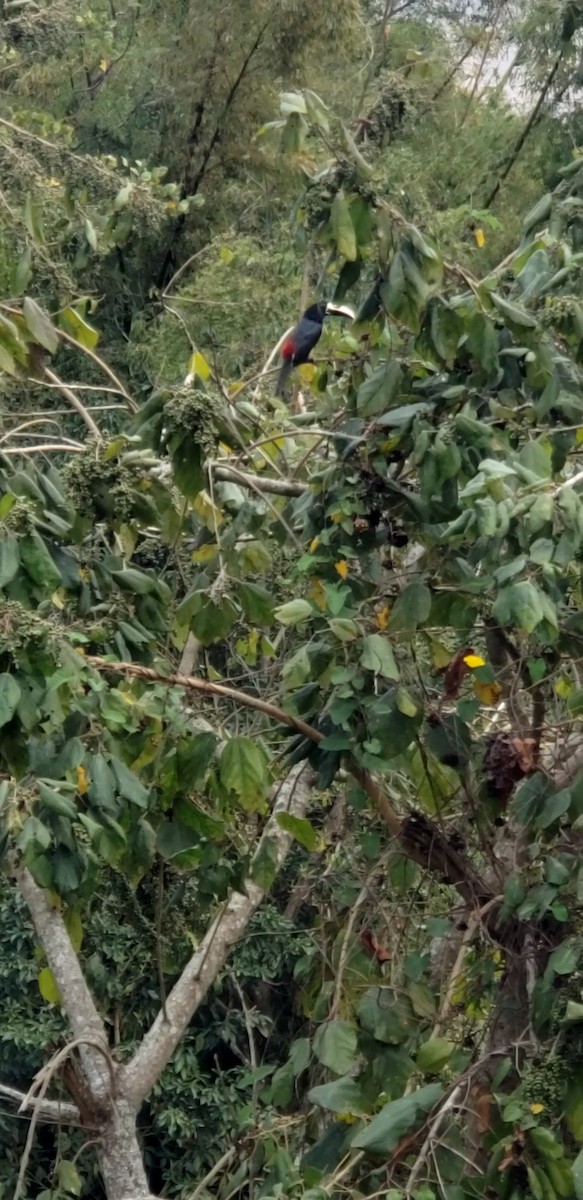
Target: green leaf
(33, 222)
(566, 958)
(301, 829)
(213, 620)
(256, 602)
(9, 698)
(293, 612)
(396, 1119)
(342, 228)
(38, 562)
(386, 1015)
(137, 582)
(433, 1055)
(519, 603)
(379, 390)
(410, 609)
(335, 1046)
(574, 1107)
(40, 325)
(264, 864)
(128, 784)
(577, 1171)
(47, 986)
(9, 559)
(243, 770)
(61, 806)
(23, 272)
(69, 1179)
(512, 312)
(74, 324)
(340, 1096)
(174, 838)
(377, 655)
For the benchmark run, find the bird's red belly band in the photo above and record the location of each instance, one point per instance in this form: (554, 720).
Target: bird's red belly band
(288, 349)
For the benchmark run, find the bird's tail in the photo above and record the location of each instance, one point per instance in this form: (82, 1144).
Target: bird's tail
(286, 367)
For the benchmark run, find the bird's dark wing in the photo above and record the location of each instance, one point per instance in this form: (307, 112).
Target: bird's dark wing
(305, 336)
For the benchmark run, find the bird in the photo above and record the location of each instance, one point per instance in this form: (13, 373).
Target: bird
(299, 343)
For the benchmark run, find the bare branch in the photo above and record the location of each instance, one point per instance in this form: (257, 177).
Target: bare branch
(259, 483)
(49, 1110)
(156, 1049)
(74, 401)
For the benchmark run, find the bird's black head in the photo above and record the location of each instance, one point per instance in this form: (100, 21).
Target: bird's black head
(316, 313)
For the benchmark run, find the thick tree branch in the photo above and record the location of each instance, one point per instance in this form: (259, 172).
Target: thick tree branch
(76, 998)
(277, 487)
(138, 1077)
(50, 1110)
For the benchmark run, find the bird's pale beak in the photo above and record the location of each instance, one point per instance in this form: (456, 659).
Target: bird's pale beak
(340, 310)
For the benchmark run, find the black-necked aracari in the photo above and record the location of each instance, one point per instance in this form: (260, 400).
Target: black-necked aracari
(298, 345)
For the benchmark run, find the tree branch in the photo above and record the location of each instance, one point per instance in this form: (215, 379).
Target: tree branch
(49, 1110)
(74, 401)
(277, 487)
(76, 998)
(138, 1076)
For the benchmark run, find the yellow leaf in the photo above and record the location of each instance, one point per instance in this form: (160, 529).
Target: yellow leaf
(347, 1118)
(336, 517)
(315, 542)
(171, 205)
(147, 756)
(82, 781)
(537, 1108)
(474, 660)
(226, 449)
(317, 595)
(74, 928)
(199, 366)
(382, 617)
(226, 255)
(480, 238)
(206, 553)
(208, 512)
(487, 693)
(58, 598)
(342, 567)
(579, 436)
(563, 687)
(48, 987)
(103, 64)
(306, 372)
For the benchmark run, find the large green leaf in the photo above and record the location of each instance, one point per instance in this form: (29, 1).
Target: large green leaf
(342, 228)
(377, 655)
(341, 1096)
(396, 1119)
(9, 698)
(335, 1046)
(243, 770)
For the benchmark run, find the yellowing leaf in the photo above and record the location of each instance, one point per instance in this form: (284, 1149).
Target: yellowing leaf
(226, 255)
(306, 372)
(206, 553)
(480, 238)
(563, 688)
(171, 205)
(199, 366)
(474, 660)
(317, 595)
(382, 617)
(336, 517)
(536, 1109)
(342, 568)
(487, 693)
(208, 512)
(103, 64)
(440, 656)
(58, 598)
(82, 781)
(226, 449)
(315, 542)
(347, 1118)
(48, 987)
(579, 436)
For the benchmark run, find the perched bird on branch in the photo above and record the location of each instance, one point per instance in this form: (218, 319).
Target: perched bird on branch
(298, 345)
